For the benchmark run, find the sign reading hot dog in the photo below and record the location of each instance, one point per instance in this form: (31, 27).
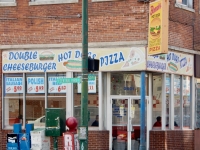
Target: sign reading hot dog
(158, 27)
(173, 62)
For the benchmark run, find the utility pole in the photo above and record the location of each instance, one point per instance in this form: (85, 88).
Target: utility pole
(83, 129)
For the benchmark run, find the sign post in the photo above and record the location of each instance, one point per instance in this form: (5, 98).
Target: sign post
(84, 83)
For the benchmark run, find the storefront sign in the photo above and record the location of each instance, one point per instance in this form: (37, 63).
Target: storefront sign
(13, 85)
(51, 60)
(35, 84)
(91, 85)
(158, 27)
(55, 87)
(173, 62)
(68, 80)
(71, 141)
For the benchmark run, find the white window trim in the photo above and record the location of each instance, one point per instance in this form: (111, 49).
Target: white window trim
(104, 0)
(3, 4)
(185, 7)
(38, 2)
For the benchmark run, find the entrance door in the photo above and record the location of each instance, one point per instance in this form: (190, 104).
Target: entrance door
(125, 123)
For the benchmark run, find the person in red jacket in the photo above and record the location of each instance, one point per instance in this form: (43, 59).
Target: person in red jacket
(158, 122)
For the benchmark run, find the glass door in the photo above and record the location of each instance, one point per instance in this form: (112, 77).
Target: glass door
(125, 123)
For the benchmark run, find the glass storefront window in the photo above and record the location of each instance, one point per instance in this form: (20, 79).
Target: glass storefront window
(157, 100)
(13, 98)
(186, 101)
(93, 98)
(56, 91)
(35, 98)
(177, 101)
(197, 103)
(126, 84)
(168, 90)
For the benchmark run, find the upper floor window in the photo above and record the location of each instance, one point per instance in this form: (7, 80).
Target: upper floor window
(7, 0)
(44, 2)
(8, 3)
(185, 4)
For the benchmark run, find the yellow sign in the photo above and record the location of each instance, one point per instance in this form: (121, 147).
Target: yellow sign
(158, 27)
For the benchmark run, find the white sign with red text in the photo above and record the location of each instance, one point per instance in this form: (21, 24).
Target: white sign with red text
(13, 85)
(71, 141)
(56, 87)
(91, 86)
(35, 84)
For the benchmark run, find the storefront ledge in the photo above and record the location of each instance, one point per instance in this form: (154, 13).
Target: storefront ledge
(3, 4)
(52, 2)
(76, 45)
(105, 0)
(183, 50)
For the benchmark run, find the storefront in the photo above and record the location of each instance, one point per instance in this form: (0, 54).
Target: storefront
(30, 84)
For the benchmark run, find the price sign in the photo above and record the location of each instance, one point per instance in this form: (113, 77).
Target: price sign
(13, 85)
(56, 87)
(35, 85)
(91, 85)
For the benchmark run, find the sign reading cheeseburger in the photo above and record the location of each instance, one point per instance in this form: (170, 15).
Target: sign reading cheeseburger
(158, 27)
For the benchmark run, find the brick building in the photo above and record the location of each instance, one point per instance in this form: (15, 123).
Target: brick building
(40, 41)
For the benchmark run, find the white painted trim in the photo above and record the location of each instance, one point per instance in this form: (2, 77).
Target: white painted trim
(45, 92)
(109, 111)
(181, 102)
(171, 103)
(100, 82)
(105, 0)
(3, 103)
(39, 2)
(163, 111)
(93, 45)
(75, 45)
(24, 100)
(69, 97)
(193, 100)
(149, 110)
(5, 4)
(190, 51)
(185, 7)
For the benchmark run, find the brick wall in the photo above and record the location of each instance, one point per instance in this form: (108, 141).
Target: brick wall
(172, 140)
(98, 140)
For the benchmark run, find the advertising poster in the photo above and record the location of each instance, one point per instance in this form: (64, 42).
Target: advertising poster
(173, 62)
(51, 60)
(13, 85)
(55, 87)
(158, 27)
(35, 84)
(91, 86)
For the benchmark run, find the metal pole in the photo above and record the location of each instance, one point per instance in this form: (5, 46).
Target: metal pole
(142, 112)
(84, 83)
(55, 143)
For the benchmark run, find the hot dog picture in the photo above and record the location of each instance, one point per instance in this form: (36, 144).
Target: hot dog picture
(73, 64)
(172, 66)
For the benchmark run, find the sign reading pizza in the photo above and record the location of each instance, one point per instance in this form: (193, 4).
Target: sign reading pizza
(158, 27)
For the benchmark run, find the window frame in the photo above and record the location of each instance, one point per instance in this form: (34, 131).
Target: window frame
(105, 0)
(171, 103)
(185, 7)
(3, 4)
(48, 2)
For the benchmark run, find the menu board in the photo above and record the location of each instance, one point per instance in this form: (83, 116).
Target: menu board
(35, 85)
(56, 87)
(13, 85)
